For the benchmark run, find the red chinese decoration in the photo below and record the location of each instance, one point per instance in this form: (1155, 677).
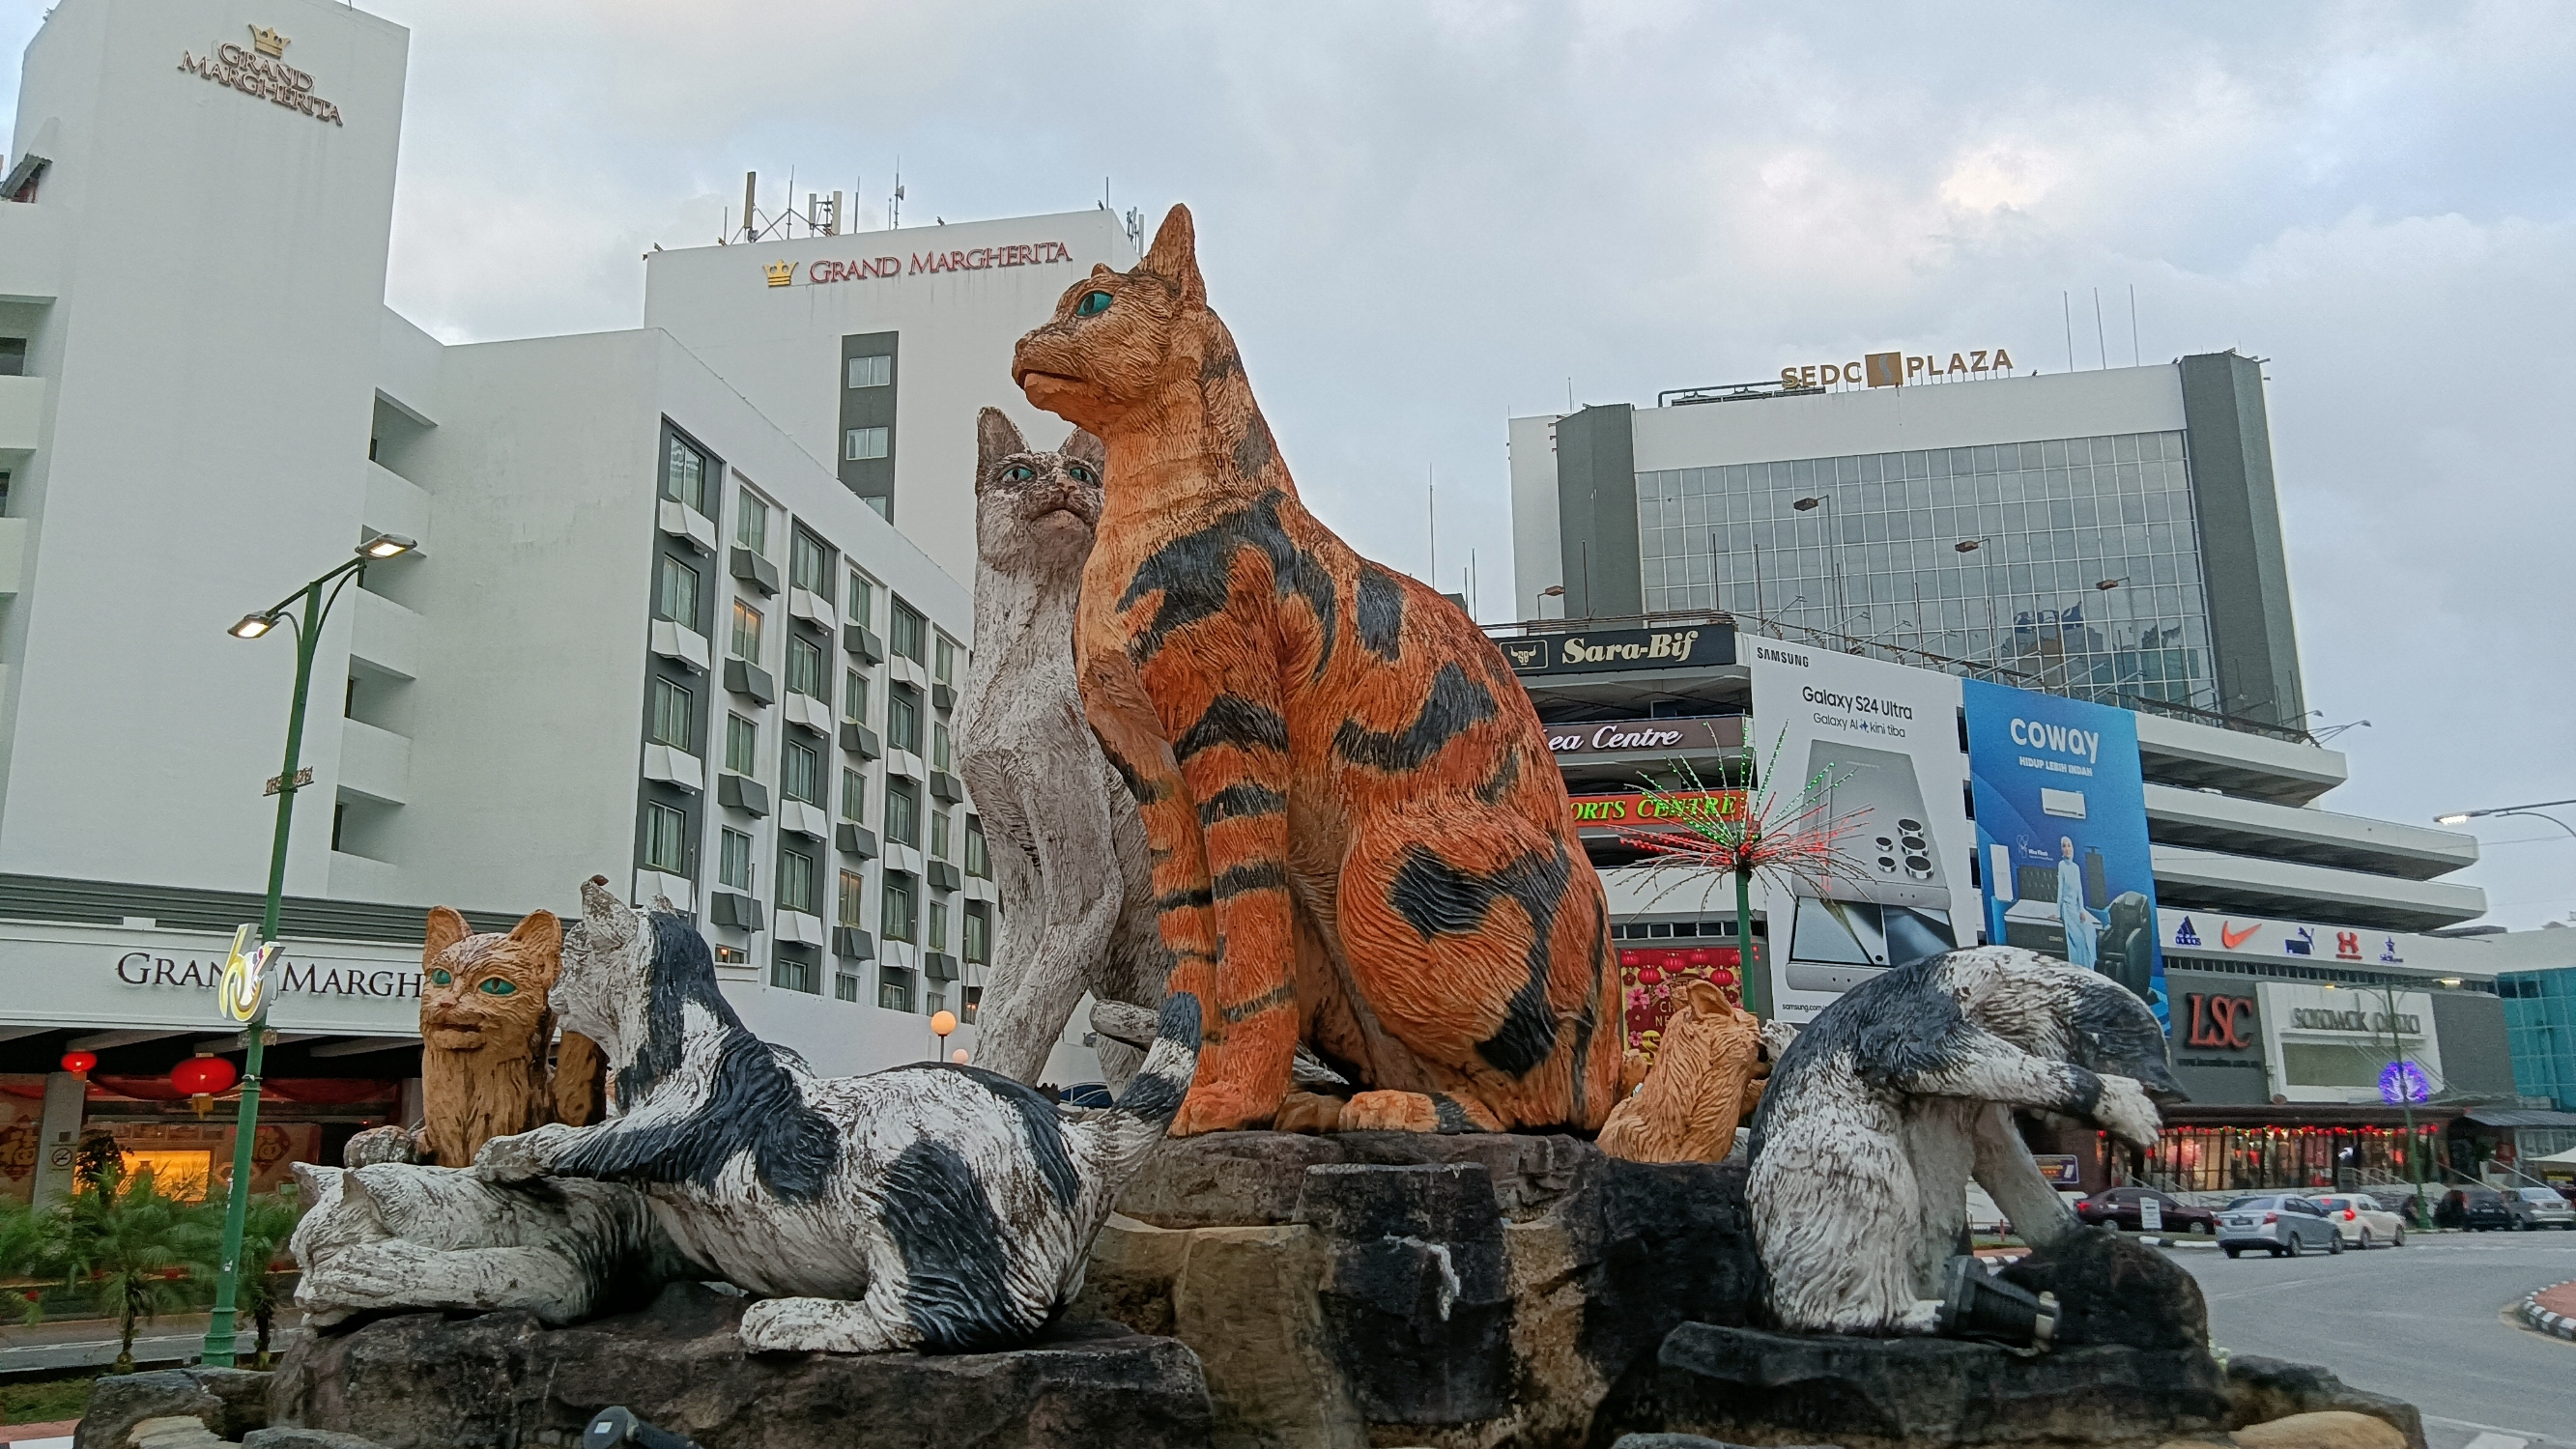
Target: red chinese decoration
(203, 1076)
(79, 1063)
(1651, 978)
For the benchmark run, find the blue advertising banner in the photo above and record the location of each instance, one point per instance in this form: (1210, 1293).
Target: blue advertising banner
(2062, 833)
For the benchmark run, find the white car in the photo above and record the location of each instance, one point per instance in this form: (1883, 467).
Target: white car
(2362, 1221)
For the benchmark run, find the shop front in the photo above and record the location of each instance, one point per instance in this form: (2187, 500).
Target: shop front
(113, 1032)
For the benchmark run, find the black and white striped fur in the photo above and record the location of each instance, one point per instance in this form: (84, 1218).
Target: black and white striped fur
(1897, 1094)
(929, 1207)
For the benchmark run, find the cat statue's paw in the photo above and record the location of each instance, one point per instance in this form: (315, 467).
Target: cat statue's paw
(522, 1158)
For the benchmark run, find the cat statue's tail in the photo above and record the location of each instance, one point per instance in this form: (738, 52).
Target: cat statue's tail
(1122, 1135)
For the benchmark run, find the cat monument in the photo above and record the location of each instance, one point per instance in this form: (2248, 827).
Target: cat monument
(930, 1206)
(1358, 836)
(1900, 1092)
(1068, 848)
(1703, 1082)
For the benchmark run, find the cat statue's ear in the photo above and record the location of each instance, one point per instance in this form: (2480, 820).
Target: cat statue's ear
(542, 930)
(446, 928)
(1082, 445)
(996, 438)
(1175, 256)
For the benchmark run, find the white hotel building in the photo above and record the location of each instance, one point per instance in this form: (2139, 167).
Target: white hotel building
(688, 609)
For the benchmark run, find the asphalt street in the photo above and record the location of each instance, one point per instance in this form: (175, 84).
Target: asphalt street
(74, 1344)
(2431, 1323)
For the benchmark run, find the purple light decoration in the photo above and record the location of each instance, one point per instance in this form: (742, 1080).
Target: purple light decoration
(2403, 1082)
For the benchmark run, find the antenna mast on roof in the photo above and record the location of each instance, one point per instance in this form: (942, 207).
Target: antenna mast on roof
(894, 207)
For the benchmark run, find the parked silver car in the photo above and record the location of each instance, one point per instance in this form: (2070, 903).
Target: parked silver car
(2282, 1225)
(2540, 1207)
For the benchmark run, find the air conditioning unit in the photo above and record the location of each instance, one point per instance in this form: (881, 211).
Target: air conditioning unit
(754, 570)
(859, 740)
(939, 967)
(852, 944)
(865, 645)
(945, 786)
(855, 839)
(739, 912)
(943, 876)
(739, 792)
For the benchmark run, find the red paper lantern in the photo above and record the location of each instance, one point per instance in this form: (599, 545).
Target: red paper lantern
(203, 1076)
(79, 1064)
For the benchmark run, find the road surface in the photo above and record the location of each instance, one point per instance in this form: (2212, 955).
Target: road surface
(2430, 1323)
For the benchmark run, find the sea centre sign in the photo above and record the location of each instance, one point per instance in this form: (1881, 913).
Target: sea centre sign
(1895, 369)
(1698, 646)
(261, 71)
(1624, 739)
(864, 269)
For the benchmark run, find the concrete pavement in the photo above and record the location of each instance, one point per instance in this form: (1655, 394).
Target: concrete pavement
(2432, 1323)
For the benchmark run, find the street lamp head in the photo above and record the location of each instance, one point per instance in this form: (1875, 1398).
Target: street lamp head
(2461, 818)
(1968, 545)
(252, 626)
(1803, 504)
(1552, 591)
(2107, 585)
(386, 545)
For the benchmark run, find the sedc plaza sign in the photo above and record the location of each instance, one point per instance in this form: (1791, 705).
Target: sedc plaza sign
(99, 977)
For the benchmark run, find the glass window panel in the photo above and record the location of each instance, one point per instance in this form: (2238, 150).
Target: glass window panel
(684, 475)
(800, 773)
(854, 695)
(746, 632)
(897, 919)
(854, 794)
(852, 897)
(733, 860)
(742, 745)
(859, 444)
(671, 714)
(902, 811)
(877, 371)
(678, 596)
(666, 839)
(751, 522)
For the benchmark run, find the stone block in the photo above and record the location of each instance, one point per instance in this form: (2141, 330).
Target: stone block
(1225, 1179)
(2331, 1429)
(228, 1402)
(178, 1431)
(2113, 1290)
(2260, 1390)
(294, 1438)
(1895, 1393)
(503, 1379)
(1245, 1300)
(1415, 1302)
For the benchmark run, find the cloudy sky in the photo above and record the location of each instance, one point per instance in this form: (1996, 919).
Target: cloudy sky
(1421, 219)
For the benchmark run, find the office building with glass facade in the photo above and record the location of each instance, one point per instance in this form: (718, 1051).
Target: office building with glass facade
(2540, 1027)
(2111, 535)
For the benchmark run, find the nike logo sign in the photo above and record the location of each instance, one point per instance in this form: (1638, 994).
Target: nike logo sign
(2231, 938)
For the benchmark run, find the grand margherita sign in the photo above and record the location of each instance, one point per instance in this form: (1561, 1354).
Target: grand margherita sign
(260, 71)
(865, 269)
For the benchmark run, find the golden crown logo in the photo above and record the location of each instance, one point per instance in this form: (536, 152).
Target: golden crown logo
(268, 42)
(781, 273)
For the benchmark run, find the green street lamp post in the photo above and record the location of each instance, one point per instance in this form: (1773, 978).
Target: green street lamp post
(308, 633)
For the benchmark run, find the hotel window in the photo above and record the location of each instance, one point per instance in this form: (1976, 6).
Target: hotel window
(854, 796)
(677, 599)
(894, 989)
(944, 660)
(977, 946)
(751, 523)
(796, 882)
(684, 475)
(939, 745)
(938, 926)
(897, 918)
(671, 711)
(746, 632)
(939, 835)
(854, 696)
(791, 974)
(733, 860)
(809, 564)
(903, 718)
(907, 630)
(875, 371)
(845, 987)
(13, 363)
(666, 839)
(805, 673)
(902, 811)
(863, 443)
(853, 897)
(800, 773)
(861, 592)
(979, 860)
(742, 745)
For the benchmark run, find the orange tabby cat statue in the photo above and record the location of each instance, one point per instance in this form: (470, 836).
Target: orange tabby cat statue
(1357, 830)
(484, 1029)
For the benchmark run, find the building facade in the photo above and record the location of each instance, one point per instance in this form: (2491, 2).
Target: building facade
(655, 626)
(2111, 535)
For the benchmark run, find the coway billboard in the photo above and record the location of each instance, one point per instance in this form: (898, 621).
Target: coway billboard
(1879, 743)
(2062, 833)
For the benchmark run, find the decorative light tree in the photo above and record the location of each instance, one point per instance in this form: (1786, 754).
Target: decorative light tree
(1759, 828)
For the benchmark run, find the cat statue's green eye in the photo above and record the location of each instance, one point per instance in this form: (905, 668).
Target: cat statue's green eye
(498, 987)
(1080, 473)
(1092, 304)
(1020, 473)
(441, 977)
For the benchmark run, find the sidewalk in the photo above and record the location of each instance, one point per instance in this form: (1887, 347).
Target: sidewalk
(61, 1348)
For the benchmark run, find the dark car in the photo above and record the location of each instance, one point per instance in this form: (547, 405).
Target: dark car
(2125, 1207)
(2478, 1209)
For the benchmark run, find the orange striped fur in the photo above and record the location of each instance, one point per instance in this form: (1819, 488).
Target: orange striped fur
(1359, 835)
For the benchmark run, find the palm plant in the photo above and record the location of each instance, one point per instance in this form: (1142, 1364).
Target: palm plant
(1769, 830)
(126, 1236)
(31, 1243)
(269, 1222)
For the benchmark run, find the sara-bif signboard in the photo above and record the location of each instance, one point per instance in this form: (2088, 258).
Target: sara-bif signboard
(2062, 833)
(1601, 651)
(1881, 741)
